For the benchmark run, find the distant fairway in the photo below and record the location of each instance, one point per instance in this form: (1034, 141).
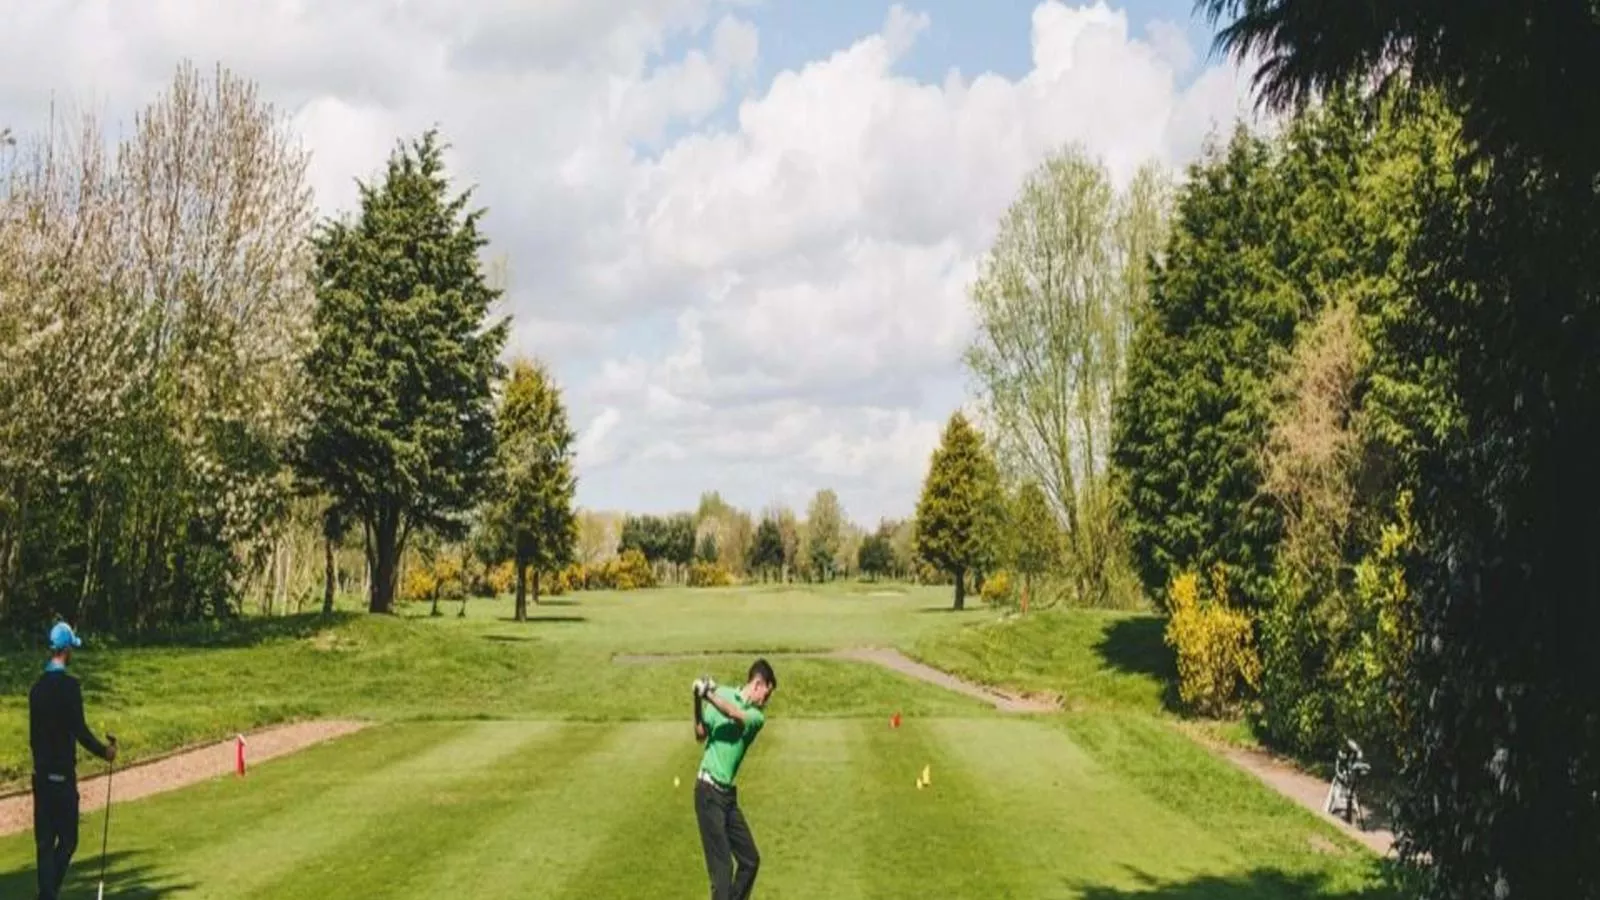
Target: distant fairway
(517, 760)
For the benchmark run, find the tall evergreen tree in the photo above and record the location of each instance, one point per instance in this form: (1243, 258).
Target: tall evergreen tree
(531, 502)
(402, 418)
(1190, 425)
(766, 551)
(958, 519)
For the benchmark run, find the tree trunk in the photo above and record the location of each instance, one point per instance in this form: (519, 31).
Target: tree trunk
(1027, 587)
(521, 614)
(434, 612)
(11, 544)
(385, 568)
(961, 589)
(536, 587)
(327, 576)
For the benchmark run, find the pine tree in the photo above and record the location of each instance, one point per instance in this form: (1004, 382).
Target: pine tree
(402, 418)
(1195, 413)
(531, 505)
(958, 517)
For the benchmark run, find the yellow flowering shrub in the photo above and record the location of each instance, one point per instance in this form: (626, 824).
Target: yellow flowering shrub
(1217, 660)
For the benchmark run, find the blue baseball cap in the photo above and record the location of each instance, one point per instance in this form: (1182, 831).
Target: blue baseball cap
(61, 637)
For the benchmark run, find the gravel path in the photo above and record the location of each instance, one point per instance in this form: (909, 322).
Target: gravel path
(889, 659)
(1307, 790)
(1002, 700)
(180, 769)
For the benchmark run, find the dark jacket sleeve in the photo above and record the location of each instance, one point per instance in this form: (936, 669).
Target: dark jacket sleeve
(80, 728)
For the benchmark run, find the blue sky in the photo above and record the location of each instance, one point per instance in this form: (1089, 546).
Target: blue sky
(970, 35)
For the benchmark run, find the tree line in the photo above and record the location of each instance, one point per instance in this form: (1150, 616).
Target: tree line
(1337, 423)
(193, 367)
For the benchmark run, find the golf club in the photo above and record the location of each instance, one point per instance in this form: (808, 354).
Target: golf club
(105, 833)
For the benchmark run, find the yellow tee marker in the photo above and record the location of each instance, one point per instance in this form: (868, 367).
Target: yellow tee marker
(927, 777)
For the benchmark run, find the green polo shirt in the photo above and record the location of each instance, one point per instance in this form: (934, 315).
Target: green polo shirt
(726, 740)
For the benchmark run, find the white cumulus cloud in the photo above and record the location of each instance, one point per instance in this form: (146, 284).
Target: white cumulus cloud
(757, 287)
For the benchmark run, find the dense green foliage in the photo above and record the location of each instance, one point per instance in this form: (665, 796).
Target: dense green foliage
(876, 556)
(1290, 480)
(402, 431)
(529, 510)
(824, 533)
(959, 514)
(1368, 386)
(1035, 536)
(155, 291)
(766, 552)
(664, 540)
(1194, 410)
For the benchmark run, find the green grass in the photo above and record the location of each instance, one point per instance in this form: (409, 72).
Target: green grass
(519, 760)
(558, 664)
(1091, 658)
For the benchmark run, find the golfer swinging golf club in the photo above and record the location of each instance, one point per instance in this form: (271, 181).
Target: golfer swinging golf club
(728, 720)
(55, 724)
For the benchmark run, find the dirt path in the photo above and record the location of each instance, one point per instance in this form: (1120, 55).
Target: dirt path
(1307, 790)
(181, 769)
(895, 661)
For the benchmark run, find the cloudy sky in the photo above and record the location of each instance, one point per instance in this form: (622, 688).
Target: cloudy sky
(740, 230)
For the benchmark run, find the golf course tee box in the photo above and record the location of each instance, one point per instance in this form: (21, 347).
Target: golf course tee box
(544, 759)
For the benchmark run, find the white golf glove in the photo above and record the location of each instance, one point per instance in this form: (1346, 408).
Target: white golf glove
(704, 685)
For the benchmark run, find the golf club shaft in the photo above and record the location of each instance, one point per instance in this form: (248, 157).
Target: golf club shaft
(105, 832)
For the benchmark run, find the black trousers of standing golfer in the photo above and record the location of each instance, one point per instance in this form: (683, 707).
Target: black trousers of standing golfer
(55, 831)
(726, 838)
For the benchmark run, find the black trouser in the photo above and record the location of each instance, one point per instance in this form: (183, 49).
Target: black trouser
(55, 831)
(724, 834)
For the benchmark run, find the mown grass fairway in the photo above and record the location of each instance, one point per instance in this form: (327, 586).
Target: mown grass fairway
(519, 760)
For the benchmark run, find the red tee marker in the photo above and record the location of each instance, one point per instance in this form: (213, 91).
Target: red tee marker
(894, 721)
(238, 756)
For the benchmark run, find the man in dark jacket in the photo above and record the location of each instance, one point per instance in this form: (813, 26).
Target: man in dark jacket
(55, 725)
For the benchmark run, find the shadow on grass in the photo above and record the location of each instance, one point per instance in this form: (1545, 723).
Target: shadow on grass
(96, 663)
(533, 619)
(943, 609)
(1137, 646)
(242, 631)
(126, 879)
(1261, 884)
